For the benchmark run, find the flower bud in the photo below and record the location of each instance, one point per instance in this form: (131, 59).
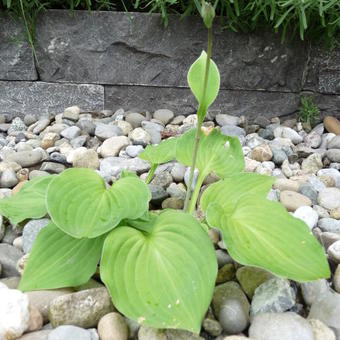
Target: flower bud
(207, 13)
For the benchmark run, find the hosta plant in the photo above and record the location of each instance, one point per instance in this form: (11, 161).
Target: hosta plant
(160, 268)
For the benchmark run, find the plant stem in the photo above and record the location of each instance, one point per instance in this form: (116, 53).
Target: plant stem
(151, 173)
(196, 192)
(200, 117)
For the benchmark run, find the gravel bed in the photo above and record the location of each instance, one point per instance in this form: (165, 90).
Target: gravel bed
(248, 302)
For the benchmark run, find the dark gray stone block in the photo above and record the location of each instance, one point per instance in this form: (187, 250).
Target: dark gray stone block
(111, 48)
(180, 100)
(16, 57)
(18, 98)
(323, 71)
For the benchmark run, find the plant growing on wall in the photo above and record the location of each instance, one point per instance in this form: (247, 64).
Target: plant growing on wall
(160, 268)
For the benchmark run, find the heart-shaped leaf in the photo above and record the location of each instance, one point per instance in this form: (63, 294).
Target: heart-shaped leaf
(212, 155)
(162, 279)
(29, 202)
(161, 153)
(221, 197)
(196, 81)
(80, 204)
(58, 260)
(261, 233)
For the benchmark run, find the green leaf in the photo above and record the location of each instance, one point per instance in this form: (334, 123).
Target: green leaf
(221, 197)
(58, 260)
(196, 79)
(80, 204)
(212, 154)
(162, 279)
(29, 202)
(161, 153)
(261, 233)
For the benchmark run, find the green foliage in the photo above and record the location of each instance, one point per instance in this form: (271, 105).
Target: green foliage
(223, 161)
(81, 206)
(162, 279)
(161, 153)
(161, 269)
(314, 19)
(58, 260)
(309, 112)
(29, 202)
(204, 93)
(260, 233)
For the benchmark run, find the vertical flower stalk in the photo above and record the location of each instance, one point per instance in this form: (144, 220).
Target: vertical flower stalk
(201, 112)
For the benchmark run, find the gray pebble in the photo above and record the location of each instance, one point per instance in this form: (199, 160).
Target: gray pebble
(31, 231)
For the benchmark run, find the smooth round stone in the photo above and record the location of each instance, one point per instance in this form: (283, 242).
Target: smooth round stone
(329, 224)
(53, 168)
(139, 136)
(8, 179)
(14, 313)
(68, 332)
(228, 299)
(224, 119)
(333, 155)
(173, 203)
(146, 125)
(279, 156)
(177, 172)
(307, 215)
(334, 252)
(9, 256)
(26, 158)
(293, 200)
(312, 290)
(135, 119)
(176, 190)
(274, 295)
(31, 231)
(332, 125)
(125, 126)
(279, 326)
(334, 173)
(286, 184)
(233, 317)
(134, 150)
(41, 299)
(148, 333)
(158, 194)
(36, 319)
(262, 153)
(286, 132)
(113, 145)
(87, 125)
(335, 213)
(71, 132)
(321, 331)
(307, 190)
(312, 164)
(336, 279)
(85, 158)
(84, 308)
(72, 113)
(334, 143)
(164, 179)
(212, 327)
(105, 131)
(329, 198)
(113, 326)
(233, 131)
(327, 310)
(163, 115)
(250, 278)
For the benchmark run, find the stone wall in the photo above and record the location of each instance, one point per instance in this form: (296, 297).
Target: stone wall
(110, 60)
